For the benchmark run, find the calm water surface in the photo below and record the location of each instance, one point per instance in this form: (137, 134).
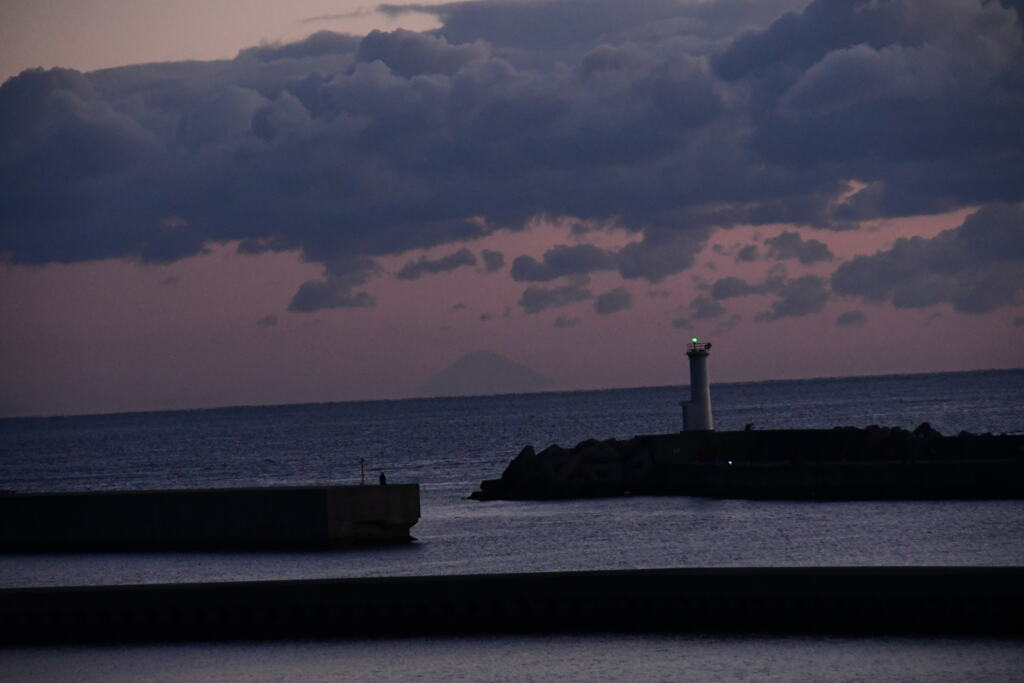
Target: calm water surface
(449, 445)
(552, 658)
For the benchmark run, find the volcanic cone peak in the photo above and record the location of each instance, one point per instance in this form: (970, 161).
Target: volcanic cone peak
(483, 372)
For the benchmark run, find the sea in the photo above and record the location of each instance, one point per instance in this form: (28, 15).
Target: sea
(449, 445)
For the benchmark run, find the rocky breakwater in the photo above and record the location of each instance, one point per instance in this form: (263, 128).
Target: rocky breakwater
(844, 463)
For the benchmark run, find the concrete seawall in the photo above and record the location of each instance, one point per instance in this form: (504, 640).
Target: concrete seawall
(315, 516)
(864, 600)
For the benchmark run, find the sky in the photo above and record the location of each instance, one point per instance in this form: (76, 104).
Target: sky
(237, 202)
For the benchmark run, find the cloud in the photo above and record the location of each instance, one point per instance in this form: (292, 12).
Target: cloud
(337, 289)
(536, 299)
(459, 307)
(315, 295)
(560, 261)
(354, 14)
(797, 40)
(1019, 321)
(267, 321)
(413, 270)
(731, 286)
(747, 254)
(316, 45)
(567, 321)
(613, 301)
(789, 245)
(727, 324)
(409, 54)
(669, 119)
(659, 254)
(560, 27)
(721, 327)
(798, 297)
(703, 307)
(977, 267)
(486, 316)
(925, 73)
(493, 260)
(851, 319)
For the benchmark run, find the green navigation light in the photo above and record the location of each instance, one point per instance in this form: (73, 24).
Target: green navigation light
(693, 339)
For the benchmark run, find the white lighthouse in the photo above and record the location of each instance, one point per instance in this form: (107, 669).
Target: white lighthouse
(697, 411)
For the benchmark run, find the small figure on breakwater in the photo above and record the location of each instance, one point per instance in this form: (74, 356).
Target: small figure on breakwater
(383, 479)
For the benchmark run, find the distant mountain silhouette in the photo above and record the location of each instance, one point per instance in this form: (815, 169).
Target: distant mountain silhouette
(483, 372)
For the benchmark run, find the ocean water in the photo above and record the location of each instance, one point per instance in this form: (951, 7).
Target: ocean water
(449, 445)
(561, 658)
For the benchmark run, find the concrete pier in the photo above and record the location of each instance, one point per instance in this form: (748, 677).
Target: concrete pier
(840, 600)
(275, 517)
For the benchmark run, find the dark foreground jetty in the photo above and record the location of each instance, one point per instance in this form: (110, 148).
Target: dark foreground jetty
(852, 600)
(844, 463)
(217, 519)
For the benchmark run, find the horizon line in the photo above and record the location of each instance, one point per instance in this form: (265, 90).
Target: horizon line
(490, 396)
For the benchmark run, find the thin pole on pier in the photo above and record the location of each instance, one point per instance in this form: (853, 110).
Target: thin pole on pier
(362, 472)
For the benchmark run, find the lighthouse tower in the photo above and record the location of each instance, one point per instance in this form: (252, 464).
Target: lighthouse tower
(697, 411)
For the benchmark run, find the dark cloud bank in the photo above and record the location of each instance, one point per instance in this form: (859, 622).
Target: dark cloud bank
(670, 119)
(977, 267)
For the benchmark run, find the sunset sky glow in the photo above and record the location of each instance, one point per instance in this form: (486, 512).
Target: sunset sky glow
(224, 202)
